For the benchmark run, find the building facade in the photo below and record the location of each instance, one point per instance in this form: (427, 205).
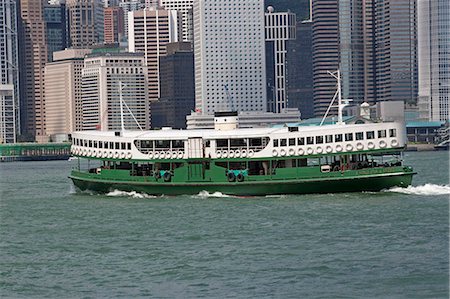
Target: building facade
(85, 18)
(280, 29)
(113, 25)
(433, 23)
(149, 31)
(33, 52)
(127, 6)
(101, 78)
(229, 54)
(9, 74)
(56, 28)
(184, 8)
(63, 92)
(177, 87)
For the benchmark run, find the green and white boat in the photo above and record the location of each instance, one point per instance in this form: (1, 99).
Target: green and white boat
(244, 162)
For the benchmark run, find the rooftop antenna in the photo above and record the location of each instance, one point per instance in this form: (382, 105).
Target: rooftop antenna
(341, 103)
(122, 102)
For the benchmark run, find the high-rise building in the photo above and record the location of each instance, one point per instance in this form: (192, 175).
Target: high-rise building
(85, 18)
(63, 91)
(184, 7)
(434, 59)
(56, 28)
(102, 77)
(300, 71)
(149, 31)
(113, 25)
(9, 76)
(280, 29)
(127, 6)
(177, 87)
(32, 63)
(229, 54)
(325, 52)
(395, 54)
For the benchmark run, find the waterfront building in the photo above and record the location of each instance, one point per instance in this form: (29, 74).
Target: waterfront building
(56, 28)
(229, 54)
(113, 25)
(184, 7)
(127, 6)
(300, 71)
(395, 47)
(85, 19)
(177, 87)
(32, 63)
(149, 31)
(433, 23)
(101, 78)
(63, 92)
(9, 76)
(280, 30)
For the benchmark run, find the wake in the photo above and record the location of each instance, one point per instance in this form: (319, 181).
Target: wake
(132, 194)
(427, 190)
(206, 194)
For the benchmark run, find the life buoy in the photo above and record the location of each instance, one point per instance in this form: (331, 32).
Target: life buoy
(231, 154)
(250, 153)
(349, 147)
(370, 145)
(291, 152)
(394, 143)
(89, 152)
(329, 149)
(240, 177)
(174, 155)
(231, 177)
(301, 152)
(282, 153)
(237, 153)
(360, 146)
(129, 155)
(110, 154)
(244, 153)
(383, 144)
(180, 154)
(156, 155)
(224, 154)
(309, 150)
(122, 155)
(116, 155)
(218, 154)
(150, 155)
(274, 153)
(319, 150)
(167, 176)
(338, 148)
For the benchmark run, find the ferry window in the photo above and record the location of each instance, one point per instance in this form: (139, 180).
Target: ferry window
(222, 143)
(255, 141)
(100, 144)
(124, 147)
(162, 144)
(178, 143)
(370, 135)
(348, 136)
(128, 146)
(359, 136)
(283, 142)
(319, 139)
(329, 138)
(95, 144)
(381, 133)
(90, 143)
(148, 144)
(309, 140)
(275, 143)
(392, 133)
(207, 143)
(237, 142)
(338, 138)
(301, 141)
(291, 141)
(117, 145)
(313, 162)
(106, 145)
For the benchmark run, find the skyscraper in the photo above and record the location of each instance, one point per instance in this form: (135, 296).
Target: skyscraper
(127, 6)
(9, 76)
(149, 31)
(434, 59)
(113, 25)
(56, 28)
(229, 51)
(280, 29)
(32, 63)
(184, 7)
(85, 19)
(101, 78)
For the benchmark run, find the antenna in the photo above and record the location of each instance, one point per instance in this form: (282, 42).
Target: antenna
(341, 105)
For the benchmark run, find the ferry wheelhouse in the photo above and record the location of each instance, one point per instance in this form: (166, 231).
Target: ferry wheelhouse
(257, 161)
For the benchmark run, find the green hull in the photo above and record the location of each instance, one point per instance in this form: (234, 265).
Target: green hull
(359, 183)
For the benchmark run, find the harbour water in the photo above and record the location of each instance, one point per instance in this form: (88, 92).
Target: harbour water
(57, 243)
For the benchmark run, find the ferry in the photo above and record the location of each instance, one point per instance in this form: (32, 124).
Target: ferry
(340, 157)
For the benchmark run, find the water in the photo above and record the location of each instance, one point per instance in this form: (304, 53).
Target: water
(56, 243)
